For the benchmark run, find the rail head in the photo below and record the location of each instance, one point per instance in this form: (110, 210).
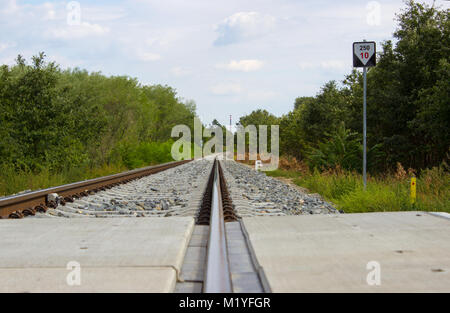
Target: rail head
(217, 271)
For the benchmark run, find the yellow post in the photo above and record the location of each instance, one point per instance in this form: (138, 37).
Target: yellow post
(413, 190)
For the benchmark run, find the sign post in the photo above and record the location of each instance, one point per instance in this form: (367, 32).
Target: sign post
(364, 55)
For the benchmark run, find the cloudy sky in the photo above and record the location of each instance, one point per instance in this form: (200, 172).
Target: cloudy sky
(231, 56)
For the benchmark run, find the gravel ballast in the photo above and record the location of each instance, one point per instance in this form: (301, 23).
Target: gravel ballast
(255, 193)
(178, 192)
(173, 192)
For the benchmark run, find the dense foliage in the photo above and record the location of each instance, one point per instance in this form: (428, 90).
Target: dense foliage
(60, 125)
(56, 120)
(408, 113)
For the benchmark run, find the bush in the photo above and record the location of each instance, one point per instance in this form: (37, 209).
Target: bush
(377, 198)
(342, 149)
(59, 125)
(390, 192)
(433, 189)
(134, 155)
(331, 184)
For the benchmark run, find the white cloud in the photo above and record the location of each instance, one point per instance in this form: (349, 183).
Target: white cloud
(9, 6)
(65, 62)
(259, 95)
(85, 29)
(177, 37)
(179, 71)
(243, 26)
(223, 89)
(327, 65)
(242, 65)
(306, 65)
(6, 45)
(100, 14)
(148, 56)
(333, 64)
(160, 39)
(50, 12)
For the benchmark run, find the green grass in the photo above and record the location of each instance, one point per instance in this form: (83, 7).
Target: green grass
(388, 193)
(124, 157)
(12, 181)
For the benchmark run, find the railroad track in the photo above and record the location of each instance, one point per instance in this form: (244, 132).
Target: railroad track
(219, 258)
(19, 206)
(207, 248)
(218, 255)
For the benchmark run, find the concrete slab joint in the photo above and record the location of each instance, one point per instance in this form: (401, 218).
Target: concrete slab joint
(117, 255)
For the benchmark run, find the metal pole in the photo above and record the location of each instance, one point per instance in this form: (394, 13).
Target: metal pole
(364, 130)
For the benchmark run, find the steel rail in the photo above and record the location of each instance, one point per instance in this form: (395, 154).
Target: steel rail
(28, 203)
(217, 271)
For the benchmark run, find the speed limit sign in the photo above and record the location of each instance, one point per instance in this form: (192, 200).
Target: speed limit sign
(364, 54)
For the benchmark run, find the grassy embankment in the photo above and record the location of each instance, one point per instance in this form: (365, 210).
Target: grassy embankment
(387, 192)
(124, 158)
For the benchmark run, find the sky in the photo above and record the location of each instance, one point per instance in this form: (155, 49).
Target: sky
(230, 57)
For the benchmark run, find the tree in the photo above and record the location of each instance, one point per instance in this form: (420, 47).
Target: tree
(407, 86)
(65, 119)
(408, 111)
(36, 120)
(292, 139)
(257, 118)
(300, 102)
(324, 114)
(342, 148)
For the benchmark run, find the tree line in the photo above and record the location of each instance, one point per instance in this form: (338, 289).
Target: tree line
(59, 119)
(408, 96)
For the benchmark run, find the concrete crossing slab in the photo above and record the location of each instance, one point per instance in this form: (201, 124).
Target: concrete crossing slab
(117, 254)
(341, 253)
(92, 279)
